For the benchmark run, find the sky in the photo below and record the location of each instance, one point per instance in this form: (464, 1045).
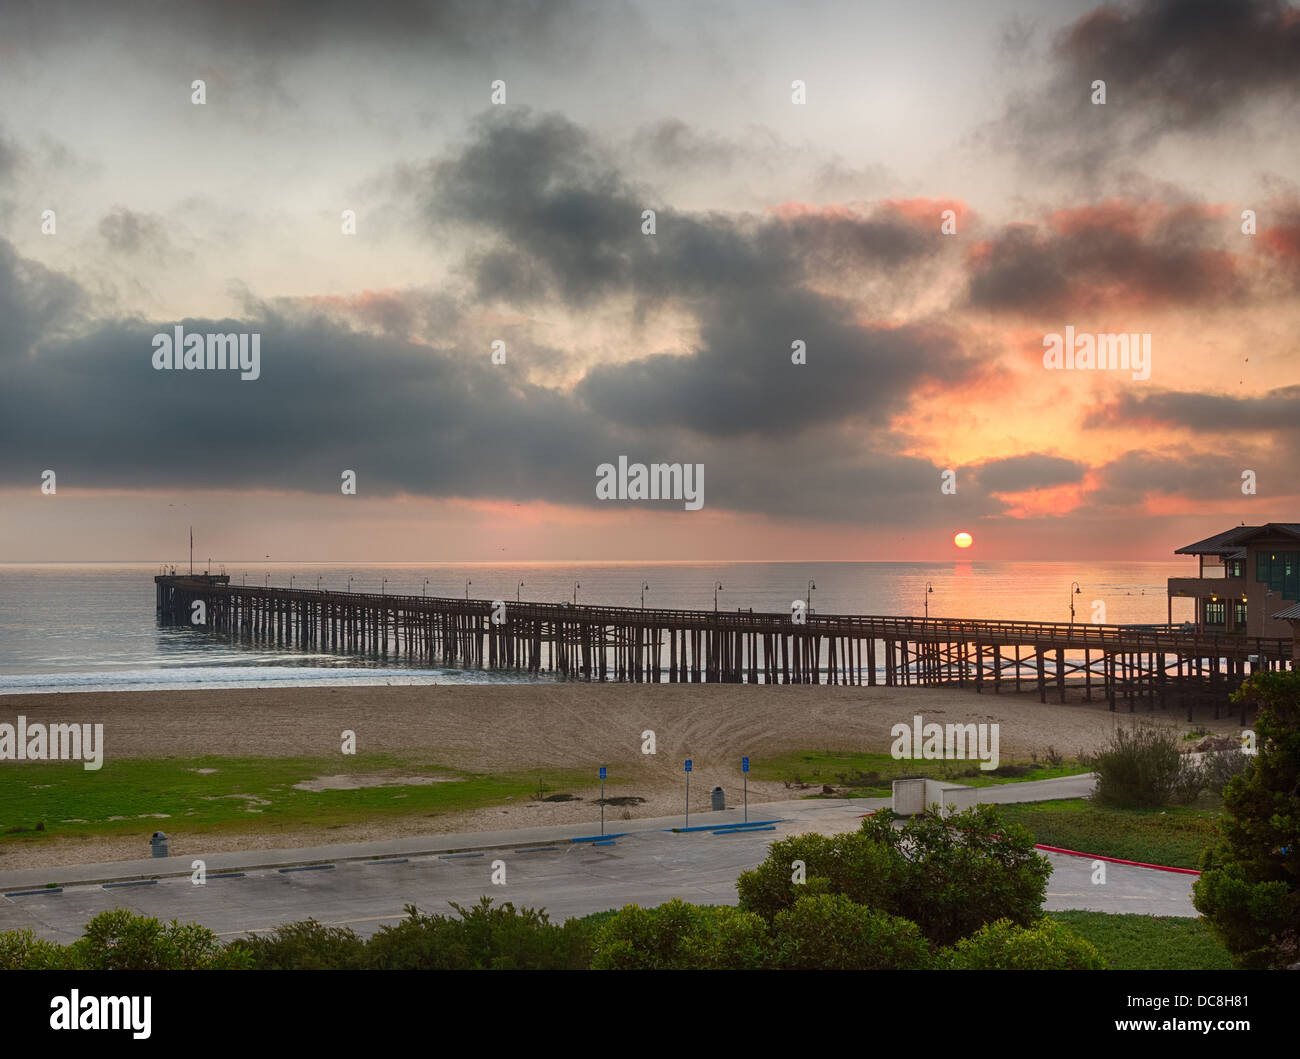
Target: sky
(920, 195)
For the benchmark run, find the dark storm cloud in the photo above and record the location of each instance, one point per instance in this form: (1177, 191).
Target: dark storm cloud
(1127, 481)
(559, 220)
(675, 145)
(1033, 470)
(128, 232)
(1133, 255)
(1170, 66)
(742, 380)
(8, 158)
(1278, 409)
(1189, 63)
(292, 27)
(34, 302)
(404, 417)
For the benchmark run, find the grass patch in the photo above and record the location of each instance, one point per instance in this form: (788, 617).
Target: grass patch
(1127, 942)
(1174, 836)
(1149, 943)
(862, 775)
(243, 794)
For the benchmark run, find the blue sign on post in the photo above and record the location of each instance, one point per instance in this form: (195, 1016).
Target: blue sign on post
(602, 771)
(688, 764)
(744, 764)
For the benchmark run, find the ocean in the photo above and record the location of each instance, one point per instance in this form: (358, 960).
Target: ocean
(91, 626)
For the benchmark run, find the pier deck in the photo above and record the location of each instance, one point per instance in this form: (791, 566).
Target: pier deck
(1161, 665)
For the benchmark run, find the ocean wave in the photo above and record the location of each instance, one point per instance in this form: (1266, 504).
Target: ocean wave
(191, 677)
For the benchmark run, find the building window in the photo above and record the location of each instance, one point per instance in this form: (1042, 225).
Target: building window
(1214, 612)
(1239, 614)
(1280, 571)
(1236, 567)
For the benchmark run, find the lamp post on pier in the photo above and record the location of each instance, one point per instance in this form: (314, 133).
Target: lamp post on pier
(812, 587)
(517, 590)
(1077, 590)
(717, 587)
(929, 588)
(645, 587)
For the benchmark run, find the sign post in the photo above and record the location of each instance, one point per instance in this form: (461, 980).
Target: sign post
(744, 767)
(688, 792)
(602, 799)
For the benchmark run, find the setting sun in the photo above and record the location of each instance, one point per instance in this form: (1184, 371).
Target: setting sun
(963, 540)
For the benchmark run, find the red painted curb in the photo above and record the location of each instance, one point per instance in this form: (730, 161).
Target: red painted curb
(1115, 860)
(1094, 856)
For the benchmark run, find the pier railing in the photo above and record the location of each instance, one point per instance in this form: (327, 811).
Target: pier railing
(655, 643)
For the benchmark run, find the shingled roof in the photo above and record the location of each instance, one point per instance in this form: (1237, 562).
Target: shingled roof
(1230, 541)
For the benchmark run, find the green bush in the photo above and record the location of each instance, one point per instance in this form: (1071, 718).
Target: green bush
(678, 936)
(830, 932)
(728, 939)
(1004, 946)
(1220, 767)
(950, 877)
(1249, 889)
(1140, 768)
(21, 950)
(304, 946)
(483, 938)
(120, 940)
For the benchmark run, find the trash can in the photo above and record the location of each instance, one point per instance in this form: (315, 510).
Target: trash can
(719, 797)
(159, 844)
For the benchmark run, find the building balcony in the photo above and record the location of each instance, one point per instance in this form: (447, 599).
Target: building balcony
(1205, 587)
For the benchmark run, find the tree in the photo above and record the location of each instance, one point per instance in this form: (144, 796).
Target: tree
(1249, 890)
(950, 877)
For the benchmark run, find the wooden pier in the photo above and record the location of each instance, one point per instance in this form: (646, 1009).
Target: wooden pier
(1159, 666)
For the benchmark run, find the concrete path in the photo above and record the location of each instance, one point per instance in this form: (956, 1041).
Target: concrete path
(543, 868)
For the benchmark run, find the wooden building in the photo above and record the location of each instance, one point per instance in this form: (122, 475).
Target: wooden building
(1246, 576)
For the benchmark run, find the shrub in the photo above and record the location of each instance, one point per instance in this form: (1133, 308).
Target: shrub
(830, 932)
(949, 880)
(678, 936)
(1249, 890)
(769, 888)
(304, 946)
(120, 940)
(1220, 766)
(1004, 946)
(482, 938)
(21, 950)
(728, 939)
(1138, 768)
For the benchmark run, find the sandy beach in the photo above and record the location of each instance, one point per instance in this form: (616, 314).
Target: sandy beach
(509, 728)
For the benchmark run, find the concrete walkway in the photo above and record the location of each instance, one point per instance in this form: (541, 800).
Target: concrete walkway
(824, 815)
(367, 884)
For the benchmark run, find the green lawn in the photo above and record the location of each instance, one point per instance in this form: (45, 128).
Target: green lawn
(48, 799)
(861, 775)
(1174, 836)
(1155, 943)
